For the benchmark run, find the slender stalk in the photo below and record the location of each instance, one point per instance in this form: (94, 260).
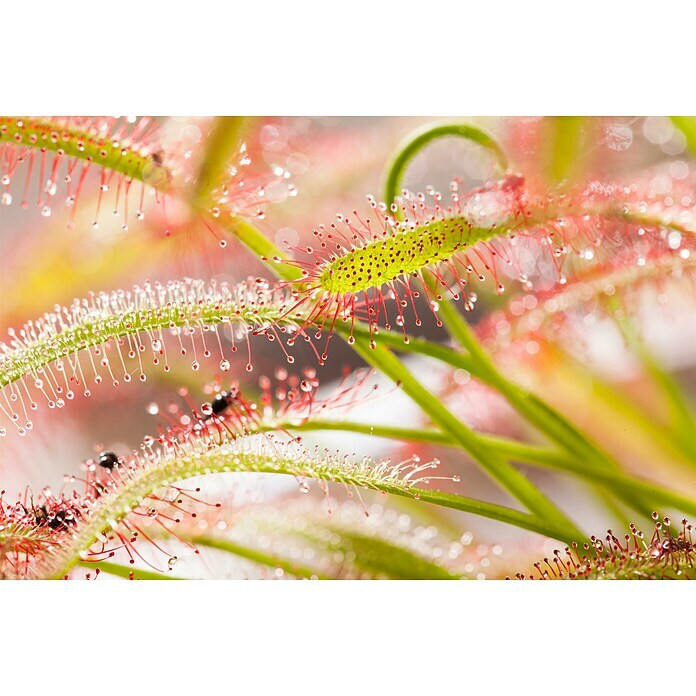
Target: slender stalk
(463, 361)
(682, 420)
(257, 556)
(565, 139)
(122, 571)
(378, 556)
(518, 451)
(497, 467)
(540, 414)
(687, 125)
(434, 437)
(415, 142)
(499, 513)
(263, 247)
(536, 411)
(221, 145)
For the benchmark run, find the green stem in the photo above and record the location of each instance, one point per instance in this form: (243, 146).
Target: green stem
(221, 145)
(518, 451)
(536, 411)
(531, 407)
(126, 571)
(463, 361)
(377, 556)
(415, 142)
(498, 468)
(257, 556)
(263, 247)
(499, 513)
(434, 437)
(682, 423)
(477, 363)
(687, 125)
(564, 146)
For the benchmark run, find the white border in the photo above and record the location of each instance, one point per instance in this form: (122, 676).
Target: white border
(289, 57)
(346, 637)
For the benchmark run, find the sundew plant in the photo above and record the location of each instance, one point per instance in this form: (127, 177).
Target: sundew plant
(323, 348)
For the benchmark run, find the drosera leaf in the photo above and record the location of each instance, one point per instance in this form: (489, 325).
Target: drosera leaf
(136, 490)
(125, 496)
(65, 149)
(134, 159)
(667, 556)
(22, 536)
(113, 337)
(123, 145)
(375, 269)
